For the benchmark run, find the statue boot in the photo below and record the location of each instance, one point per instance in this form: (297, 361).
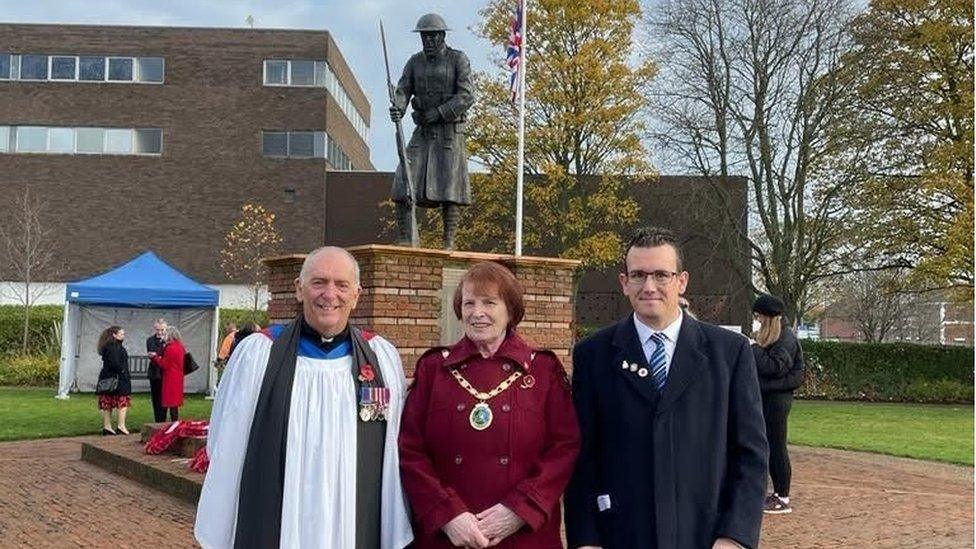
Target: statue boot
(450, 213)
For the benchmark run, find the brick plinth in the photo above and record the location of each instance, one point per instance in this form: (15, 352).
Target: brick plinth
(402, 295)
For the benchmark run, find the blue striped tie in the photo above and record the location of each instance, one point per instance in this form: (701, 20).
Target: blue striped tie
(659, 362)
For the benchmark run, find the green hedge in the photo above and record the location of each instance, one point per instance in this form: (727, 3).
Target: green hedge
(29, 370)
(44, 336)
(887, 372)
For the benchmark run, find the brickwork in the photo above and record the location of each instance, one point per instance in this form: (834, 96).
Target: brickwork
(841, 499)
(402, 297)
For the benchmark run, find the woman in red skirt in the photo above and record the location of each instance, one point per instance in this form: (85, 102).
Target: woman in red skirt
(115, 365)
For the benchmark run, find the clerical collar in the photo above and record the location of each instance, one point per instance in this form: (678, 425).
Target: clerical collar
(326, 345)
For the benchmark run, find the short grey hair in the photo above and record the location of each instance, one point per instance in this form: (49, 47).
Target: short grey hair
(310, 258)
(160, 322)
(173, 334)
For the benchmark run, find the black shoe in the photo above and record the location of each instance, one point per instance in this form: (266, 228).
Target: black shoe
(106, 432)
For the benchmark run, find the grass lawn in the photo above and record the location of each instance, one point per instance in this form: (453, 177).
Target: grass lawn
(32, 412)
(932, 432)
(923, 431)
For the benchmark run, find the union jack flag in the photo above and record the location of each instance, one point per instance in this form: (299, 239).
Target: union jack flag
(513, 58)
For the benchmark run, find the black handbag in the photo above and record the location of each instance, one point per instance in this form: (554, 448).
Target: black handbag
(107, 385)
(189, 365)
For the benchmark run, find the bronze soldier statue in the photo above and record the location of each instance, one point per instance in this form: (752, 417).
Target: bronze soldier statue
(437, 83)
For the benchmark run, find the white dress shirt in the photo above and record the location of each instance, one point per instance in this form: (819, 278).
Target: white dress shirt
(670, 333)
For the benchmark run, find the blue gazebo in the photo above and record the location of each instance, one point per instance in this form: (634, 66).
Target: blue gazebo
(133, 296)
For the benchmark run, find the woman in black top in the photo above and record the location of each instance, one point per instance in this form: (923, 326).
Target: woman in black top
(115, 364)
(779, 362)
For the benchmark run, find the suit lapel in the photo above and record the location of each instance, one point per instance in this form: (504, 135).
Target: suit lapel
(629, 350)
(687, 364)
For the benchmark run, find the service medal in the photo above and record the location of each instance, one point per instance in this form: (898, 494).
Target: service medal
(366, 412)
(481, 416)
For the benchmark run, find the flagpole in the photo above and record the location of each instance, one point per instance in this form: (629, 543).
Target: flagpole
(521, 133)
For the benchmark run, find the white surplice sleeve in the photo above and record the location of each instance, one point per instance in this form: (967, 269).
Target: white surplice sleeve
(230, 426)
(395, 519)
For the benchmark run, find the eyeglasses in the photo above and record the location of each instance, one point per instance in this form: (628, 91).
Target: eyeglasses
(661, 278)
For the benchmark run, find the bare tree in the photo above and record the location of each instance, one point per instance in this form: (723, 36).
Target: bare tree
(27, 253)
(748, 87)
(875, 302)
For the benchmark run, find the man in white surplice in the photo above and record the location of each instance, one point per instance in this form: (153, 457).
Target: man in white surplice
(303, 434)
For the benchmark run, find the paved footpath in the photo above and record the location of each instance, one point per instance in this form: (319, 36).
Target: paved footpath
(50, 498)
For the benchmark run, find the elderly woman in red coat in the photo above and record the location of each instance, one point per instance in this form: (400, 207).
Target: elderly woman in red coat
(488, 437)
(170, 361)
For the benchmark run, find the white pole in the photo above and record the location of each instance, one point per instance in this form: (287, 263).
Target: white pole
(521, 133)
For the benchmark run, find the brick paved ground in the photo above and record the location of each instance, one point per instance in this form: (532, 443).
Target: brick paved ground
(50, 498)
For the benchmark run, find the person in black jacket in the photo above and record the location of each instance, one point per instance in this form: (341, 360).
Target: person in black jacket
(155, 344)
(779, 362)
(115, 365)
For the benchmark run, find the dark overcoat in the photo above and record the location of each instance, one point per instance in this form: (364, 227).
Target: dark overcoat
(115, 363)
(674, 469)
(780, 366)
(523, 460)
(436, 153)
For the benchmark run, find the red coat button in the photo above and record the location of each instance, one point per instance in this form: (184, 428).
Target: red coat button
(460, 407)
(458, 459)
(503, 460)
(506, 408)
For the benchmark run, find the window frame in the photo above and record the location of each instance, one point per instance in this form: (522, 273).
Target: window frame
(50, 68)
(108, 69)
(47, 63)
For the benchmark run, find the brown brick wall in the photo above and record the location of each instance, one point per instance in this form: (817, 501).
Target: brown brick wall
(401, 298)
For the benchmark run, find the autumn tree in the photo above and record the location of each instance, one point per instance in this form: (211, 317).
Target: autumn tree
(749, 88)
(911, 122)
(252, 238)
(27, 253)
(585, 95)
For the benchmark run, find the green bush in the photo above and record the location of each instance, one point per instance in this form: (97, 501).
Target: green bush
(887, 372)
(43, 337)
(241, 317)
(32, 370)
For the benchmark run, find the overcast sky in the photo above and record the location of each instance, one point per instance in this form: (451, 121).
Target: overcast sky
(355, 26)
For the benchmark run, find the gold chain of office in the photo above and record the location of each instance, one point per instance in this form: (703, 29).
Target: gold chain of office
(466, 385)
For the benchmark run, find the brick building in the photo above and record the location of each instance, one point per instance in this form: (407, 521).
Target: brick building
(149, 137)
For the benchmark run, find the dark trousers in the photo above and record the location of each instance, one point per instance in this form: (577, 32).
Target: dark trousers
(776, 411)
(174, 414)
(156, 390)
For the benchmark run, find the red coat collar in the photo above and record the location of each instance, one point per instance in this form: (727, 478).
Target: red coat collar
(513, 349)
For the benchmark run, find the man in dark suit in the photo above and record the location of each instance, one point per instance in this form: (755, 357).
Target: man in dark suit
(154, 346)
(674, 451)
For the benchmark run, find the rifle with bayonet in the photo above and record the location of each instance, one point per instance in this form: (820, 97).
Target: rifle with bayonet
(401, 149)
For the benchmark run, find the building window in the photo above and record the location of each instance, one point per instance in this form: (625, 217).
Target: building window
(4, 66)
(120, 69)
(90, 140)
(84, 68)
(63, 68)
(150, 69)
(60, 140)
(300, 144)
(33, 67)
(295, 72)
(275, 144)
(294, 144)
(338, 157)
(91, 68)
(275, 73)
